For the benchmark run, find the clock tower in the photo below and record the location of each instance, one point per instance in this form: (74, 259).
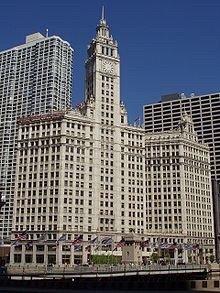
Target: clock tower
(102, 84)
(109, 117)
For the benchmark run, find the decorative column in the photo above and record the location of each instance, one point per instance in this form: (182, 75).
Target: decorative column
(23, 254)
(84, 255)
(204, 256)
(34, 255)
(175, 256)
(72, 255)
(45, 255)
(12, 251)
(197, 256)
(185, 256)
(59, 254)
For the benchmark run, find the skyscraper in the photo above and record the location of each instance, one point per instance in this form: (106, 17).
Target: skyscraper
(204, 110)
(35, 77)
(87, 174)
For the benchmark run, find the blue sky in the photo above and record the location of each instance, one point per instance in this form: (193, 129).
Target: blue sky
(165, 46)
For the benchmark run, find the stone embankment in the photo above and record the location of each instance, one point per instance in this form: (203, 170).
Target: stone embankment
(212, 284)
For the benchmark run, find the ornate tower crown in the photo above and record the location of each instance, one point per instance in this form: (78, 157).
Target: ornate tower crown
(102, 29)
(186, 125)
(102, 81)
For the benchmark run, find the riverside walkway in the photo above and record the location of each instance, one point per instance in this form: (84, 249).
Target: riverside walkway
(120, 277)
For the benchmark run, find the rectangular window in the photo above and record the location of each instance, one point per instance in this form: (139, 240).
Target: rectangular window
(28, 258)
(17, 258)
(39, 258)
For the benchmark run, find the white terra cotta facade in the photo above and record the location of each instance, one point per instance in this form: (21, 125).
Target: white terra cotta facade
(87, 172)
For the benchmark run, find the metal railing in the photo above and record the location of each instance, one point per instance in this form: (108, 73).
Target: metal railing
(103, 269)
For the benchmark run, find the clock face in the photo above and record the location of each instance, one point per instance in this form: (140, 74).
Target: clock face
(108, 67)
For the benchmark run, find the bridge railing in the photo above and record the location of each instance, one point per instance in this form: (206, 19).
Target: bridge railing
(80, 270)
(138, 268)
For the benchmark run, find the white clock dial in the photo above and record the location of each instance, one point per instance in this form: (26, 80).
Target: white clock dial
(108, 67)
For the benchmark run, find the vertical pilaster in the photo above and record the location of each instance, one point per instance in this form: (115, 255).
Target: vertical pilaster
(72, 255)
(84, 255)
(46, 255)
(175, 256)
(34, 255)
(59, 254)
(185, 256)
(22, 254)
(12, 251)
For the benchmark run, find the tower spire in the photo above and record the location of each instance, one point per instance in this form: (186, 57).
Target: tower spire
(102, 28)
(103, 12)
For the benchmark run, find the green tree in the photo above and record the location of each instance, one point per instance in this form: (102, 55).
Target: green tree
(154, 257)
(167, 257)
(212, 258)
(189, 258)
(105, 259)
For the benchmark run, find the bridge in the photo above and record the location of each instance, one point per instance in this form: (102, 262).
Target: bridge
(102, 271)
(105, 277)
(123, 271)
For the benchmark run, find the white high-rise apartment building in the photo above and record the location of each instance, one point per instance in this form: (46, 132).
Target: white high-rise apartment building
(204, 110)
(88, 172)
(35, 77)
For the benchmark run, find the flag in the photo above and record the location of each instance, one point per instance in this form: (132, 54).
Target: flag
(42, 237)
(121, 243)
(77, 240)
(164, 245)
(94, 241)
(106, 241)
(77, 247)
(173, 245)
(187, 246)
(180, 246)
(15, 243)
(154, 244)
(195, 246)
(21, 236)
(88, 248)
(145, 243)
(137, 119)
(28, 245)
(91, 243)
(62, 238)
